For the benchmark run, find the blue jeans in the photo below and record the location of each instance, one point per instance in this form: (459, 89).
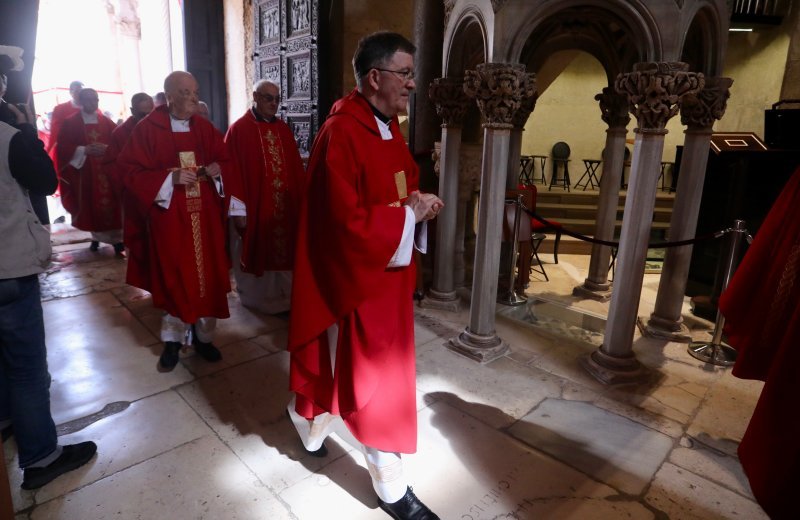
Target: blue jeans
(24, 379)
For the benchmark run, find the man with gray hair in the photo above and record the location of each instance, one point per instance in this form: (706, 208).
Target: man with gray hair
(351, 333)
(271, 169)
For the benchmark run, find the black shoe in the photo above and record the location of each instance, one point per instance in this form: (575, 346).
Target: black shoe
(73, 456)
(207, 351)
(119, 249)
(169, 357)
(408, 508)
(94, 246)
(60, 220)
(321, 452)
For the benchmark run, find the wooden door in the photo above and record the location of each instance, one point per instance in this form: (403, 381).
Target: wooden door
(288, 48)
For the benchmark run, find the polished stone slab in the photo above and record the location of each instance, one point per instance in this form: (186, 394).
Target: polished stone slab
(96, 358)
(613, 449)
(681, 494)
(218, 486)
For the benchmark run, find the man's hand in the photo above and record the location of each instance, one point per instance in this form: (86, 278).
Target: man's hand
(240, 223)
(183, 176)
(96, 149)
(425, 205)
(213, 170)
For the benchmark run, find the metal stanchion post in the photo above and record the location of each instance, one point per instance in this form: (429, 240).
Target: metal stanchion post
(511, 297)
(715, 351)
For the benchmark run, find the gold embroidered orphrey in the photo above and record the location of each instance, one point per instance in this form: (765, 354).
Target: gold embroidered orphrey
(402, 188)
(274, 153)
(193, 206)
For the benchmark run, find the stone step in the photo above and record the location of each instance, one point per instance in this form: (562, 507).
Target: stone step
(586, 211)
(590, 197)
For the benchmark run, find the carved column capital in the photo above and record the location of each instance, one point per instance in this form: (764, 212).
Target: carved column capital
(526, 106)
(450, 100)
(614, 108)
(655, 90)
(498, 88)
(700, 110)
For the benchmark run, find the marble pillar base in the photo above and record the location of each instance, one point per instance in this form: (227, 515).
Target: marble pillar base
(611, 370)
(660, 328)
(478, 347)
(595, 291)
(446, 301)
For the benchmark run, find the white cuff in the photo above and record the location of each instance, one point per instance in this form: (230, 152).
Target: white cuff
(237, 208)
(164, 195)
(421, 237)
(402, 257)
(78, 158)
(218, 185)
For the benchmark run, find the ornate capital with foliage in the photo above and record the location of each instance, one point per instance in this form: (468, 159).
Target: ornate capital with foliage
(526, 106)
(450, 99)
(655, 91)
(499, 89)
(699, 111)
(614, 108)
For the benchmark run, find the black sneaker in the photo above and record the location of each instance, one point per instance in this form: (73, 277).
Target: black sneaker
(169, 357)
(73, 456)
(94, 246)
(408, 508)
(206, 351)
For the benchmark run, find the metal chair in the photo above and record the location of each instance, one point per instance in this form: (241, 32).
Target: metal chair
(560, 154)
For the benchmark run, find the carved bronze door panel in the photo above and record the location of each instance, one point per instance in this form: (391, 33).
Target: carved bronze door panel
(287, 33)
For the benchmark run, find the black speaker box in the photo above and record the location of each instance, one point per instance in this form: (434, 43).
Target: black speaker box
(782, 126)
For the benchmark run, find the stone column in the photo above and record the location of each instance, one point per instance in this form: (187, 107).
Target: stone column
(498, 89)
(614, 112)
(428, 35)
(515, 144)
(654, 91)
(451, 104)
(698, 113)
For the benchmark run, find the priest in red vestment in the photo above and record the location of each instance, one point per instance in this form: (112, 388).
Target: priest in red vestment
(271, 170)
(141, 105)
(179, 179)
(762, 311)
(86, 190)
(61, 112)
(351, 332)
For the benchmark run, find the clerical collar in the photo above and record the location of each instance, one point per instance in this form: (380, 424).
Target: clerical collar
(179, 125)
(260, 118)
(89, 119)
(379, 114)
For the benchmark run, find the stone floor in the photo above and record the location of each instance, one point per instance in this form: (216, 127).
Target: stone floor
(530, 435)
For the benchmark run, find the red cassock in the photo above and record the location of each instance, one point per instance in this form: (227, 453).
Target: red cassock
(350, 226)
(271, 171)
(177, 254)
(119, 137)
(86, 192)
(762, 310)
(61, 112)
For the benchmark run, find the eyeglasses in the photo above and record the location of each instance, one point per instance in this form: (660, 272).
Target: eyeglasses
(269, 98)
(405, 75)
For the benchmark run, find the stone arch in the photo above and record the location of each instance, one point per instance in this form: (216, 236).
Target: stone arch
(702, 46)
(468, 44)
(617, 33)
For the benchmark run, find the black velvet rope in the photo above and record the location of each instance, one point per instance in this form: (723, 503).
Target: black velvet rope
(654, 245)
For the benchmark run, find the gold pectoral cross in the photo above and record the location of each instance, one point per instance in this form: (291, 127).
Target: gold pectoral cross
(93, 135)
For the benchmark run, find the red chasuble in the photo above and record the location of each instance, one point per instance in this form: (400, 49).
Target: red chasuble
(350, 225)
(177, 254)
(762, 310)
(61, 112)
(271, 170)
(86, 192)
(119, 137)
